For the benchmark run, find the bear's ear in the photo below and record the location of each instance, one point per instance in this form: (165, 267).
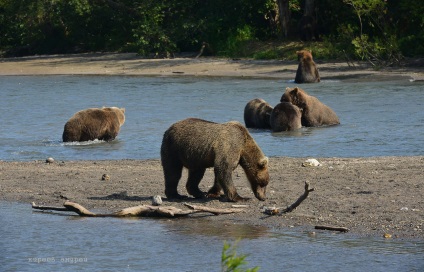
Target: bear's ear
(295, 90)
(263, 163)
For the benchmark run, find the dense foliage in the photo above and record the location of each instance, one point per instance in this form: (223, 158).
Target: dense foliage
(380, 31)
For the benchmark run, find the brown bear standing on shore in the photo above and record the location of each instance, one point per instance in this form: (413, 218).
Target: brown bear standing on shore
(90, 124)
(307, 71)
(314, 112)
(285, 117)
(257, 113)
(198, 144)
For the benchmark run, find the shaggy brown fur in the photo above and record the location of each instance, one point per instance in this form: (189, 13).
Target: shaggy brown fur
(314, 112)
(307, 71)
(198, 144)
(90, 124)
(257, 113)
(285, 117)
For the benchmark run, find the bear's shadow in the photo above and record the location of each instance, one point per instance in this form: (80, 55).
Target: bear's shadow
(124, 196)
(121, 196)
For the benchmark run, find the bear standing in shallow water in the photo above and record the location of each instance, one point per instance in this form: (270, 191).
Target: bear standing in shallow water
(285, 117)
(90, 124)
(314, 112)
(307, 71)
(256, 114)
(198, 144)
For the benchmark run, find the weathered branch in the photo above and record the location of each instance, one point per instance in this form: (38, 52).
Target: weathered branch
(142, 210)
(75, 207)
(214, 211)
(273, 210)
(341, 229)
(49, 208)
(300, 199)
(147, 210)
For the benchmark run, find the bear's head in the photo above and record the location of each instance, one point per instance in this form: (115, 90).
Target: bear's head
(261, 179)
(296, 96)
(304, 55)
(120, 112)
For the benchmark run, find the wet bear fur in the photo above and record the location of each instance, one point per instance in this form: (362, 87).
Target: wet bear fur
(314, 112)
(285, 117)
(256, 114)
(307, 71)
(198, 144)
(94, 123)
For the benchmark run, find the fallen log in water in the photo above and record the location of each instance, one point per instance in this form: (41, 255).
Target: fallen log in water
(141, 210)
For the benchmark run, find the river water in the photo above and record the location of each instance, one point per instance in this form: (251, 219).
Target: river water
(39, 241)
(378, 118)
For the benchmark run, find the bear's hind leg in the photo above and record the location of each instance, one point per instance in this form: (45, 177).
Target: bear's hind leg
(194, 178)
(172, 172)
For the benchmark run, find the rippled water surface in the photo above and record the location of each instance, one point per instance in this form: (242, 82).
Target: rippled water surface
(378, 118)
(40, 241)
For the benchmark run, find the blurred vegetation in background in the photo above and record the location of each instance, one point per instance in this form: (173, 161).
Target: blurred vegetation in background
(381, 32)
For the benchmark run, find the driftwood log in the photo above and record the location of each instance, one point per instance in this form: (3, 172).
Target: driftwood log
(141, 210)
(274, 210)
(341, 229)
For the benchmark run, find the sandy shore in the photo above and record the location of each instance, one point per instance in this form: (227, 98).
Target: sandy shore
(131, 64)
(370, 196)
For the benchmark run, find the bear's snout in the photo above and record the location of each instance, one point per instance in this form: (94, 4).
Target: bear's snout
(260, 193)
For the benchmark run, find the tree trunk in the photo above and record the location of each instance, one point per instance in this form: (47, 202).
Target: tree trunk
(283, 17)
(309, 8)
(308, 26)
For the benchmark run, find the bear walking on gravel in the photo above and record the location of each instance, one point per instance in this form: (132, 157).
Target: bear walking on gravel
(285, 117)
(256, 114)
(198, 144)
(307, 71)
(94, 123)
(314, 112)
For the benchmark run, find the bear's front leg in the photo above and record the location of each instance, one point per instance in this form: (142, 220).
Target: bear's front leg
(225, 181)
(215, 191)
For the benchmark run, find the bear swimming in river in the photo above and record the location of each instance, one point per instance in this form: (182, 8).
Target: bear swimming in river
(94, 123)
(314, 112)
(198, 144)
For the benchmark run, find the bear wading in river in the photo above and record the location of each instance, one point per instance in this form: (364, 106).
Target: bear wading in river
(94, 123)
(285, 117)
(314, 112)
(307, 71)
(198, 144)
(256, 114)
